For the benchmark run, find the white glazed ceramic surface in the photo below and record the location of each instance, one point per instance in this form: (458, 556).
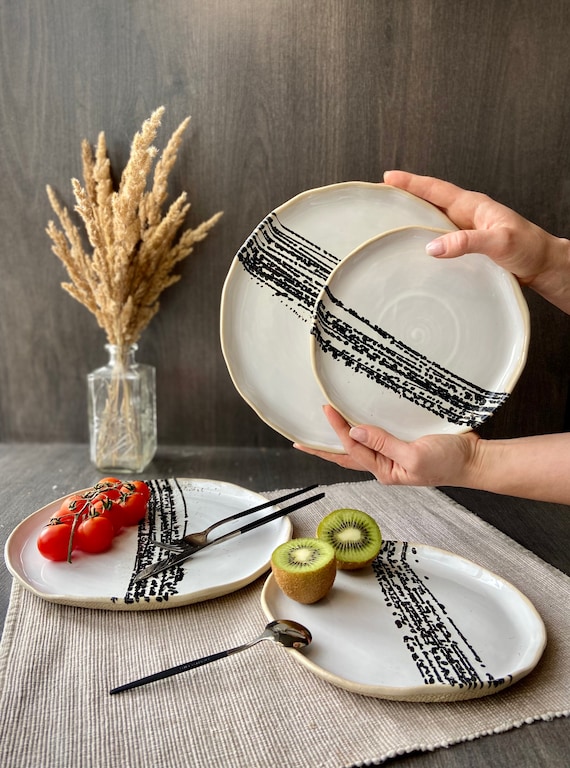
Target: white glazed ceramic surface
(273, 283)
(420, 624)
(177, 507)
(415, 344)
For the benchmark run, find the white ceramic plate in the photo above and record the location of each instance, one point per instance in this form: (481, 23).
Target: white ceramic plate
(420, 624)
(177, 507)
(273, 283)
(415, 344)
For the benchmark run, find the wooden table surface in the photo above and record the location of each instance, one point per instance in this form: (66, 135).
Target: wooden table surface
(32, 475)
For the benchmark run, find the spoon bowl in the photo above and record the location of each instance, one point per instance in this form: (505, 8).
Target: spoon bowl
(288, 633)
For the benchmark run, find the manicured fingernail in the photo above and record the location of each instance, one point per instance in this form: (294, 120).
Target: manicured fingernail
(359, 434)
(435, 248)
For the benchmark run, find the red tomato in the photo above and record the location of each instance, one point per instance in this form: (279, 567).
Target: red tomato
(74, 503)
(106, 484)
(71, 507)
(134, 508)
(107, 493)
(137, 486)
(94, 534)
(108, 481)
(111, 509)
(53, 541)
(63, 517)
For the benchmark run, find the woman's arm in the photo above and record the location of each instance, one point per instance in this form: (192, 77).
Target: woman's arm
(535, 467)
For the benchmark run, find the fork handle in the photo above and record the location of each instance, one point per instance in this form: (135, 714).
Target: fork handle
(258, 508)
(274, 516)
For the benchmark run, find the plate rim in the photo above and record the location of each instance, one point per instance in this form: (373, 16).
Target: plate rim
(428, 692)
(235, 265)
(106, 602)
(518, 294)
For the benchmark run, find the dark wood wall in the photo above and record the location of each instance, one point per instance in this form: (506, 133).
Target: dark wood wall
(285, 95)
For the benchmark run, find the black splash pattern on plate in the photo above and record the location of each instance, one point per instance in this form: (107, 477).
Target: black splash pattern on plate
(294, 268)
(166, 520)
(440, 651)
(369, 350)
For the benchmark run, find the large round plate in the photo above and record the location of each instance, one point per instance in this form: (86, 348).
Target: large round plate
(273, 283)
(414, 344)
(177, 507)
(420, 624)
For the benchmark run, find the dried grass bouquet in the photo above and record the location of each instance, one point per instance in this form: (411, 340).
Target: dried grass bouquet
(135, 248)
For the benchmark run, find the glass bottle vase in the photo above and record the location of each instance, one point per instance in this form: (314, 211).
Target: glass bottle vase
(122, 412)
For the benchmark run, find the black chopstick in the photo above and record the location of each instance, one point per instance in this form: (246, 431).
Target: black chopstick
(270, 503)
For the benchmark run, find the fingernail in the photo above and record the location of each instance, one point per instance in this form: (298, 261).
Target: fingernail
(435, 248)
(359, 434)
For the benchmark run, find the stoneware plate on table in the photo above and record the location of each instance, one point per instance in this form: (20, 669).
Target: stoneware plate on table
(419, 624)
(176, 507)
(272, 285)
(415, 344)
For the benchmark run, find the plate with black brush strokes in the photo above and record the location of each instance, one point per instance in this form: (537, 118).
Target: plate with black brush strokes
(419, 624)
(272, 285)
(177, 506)
(415, 344)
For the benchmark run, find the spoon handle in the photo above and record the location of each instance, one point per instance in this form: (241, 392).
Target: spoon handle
(181, 668)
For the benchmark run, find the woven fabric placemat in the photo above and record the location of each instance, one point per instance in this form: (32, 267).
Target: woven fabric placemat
(260, 708)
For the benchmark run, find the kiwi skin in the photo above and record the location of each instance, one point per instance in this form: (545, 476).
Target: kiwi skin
(351, 559)
(304, 584)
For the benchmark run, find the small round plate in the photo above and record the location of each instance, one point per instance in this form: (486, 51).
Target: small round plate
(273, 283)
(176, 507)
(419, 624)
(415, 344)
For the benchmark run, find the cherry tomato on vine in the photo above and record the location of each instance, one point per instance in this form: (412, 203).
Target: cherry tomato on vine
(134, 508)
(74, 503)
(108, 482)
(92, 518)
(94, 534)
(110, 509)
(107, 493)
(137, 486)
(53, 541)
(63, 517)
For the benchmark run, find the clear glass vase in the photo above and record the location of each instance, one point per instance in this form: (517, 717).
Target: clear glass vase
(122, 412)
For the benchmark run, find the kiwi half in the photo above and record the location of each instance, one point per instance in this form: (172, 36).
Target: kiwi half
(304, 569)
(354, 536)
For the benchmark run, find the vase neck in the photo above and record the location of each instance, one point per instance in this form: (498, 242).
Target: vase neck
(121, 355)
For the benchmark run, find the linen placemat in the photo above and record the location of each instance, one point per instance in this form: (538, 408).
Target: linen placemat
(259, 708)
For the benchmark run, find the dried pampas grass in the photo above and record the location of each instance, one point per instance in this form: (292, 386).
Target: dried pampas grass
(135, 247)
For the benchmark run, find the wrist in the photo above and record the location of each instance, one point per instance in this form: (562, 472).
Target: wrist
(553, 283)
(478, 465)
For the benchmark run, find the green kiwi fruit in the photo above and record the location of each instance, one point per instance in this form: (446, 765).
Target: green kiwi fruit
(304, 569)
(354, 536)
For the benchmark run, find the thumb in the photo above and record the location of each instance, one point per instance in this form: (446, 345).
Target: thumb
(375, 438)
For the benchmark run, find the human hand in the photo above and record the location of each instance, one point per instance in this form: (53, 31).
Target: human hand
(535, 257)
(529, 467)
(431, 460)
